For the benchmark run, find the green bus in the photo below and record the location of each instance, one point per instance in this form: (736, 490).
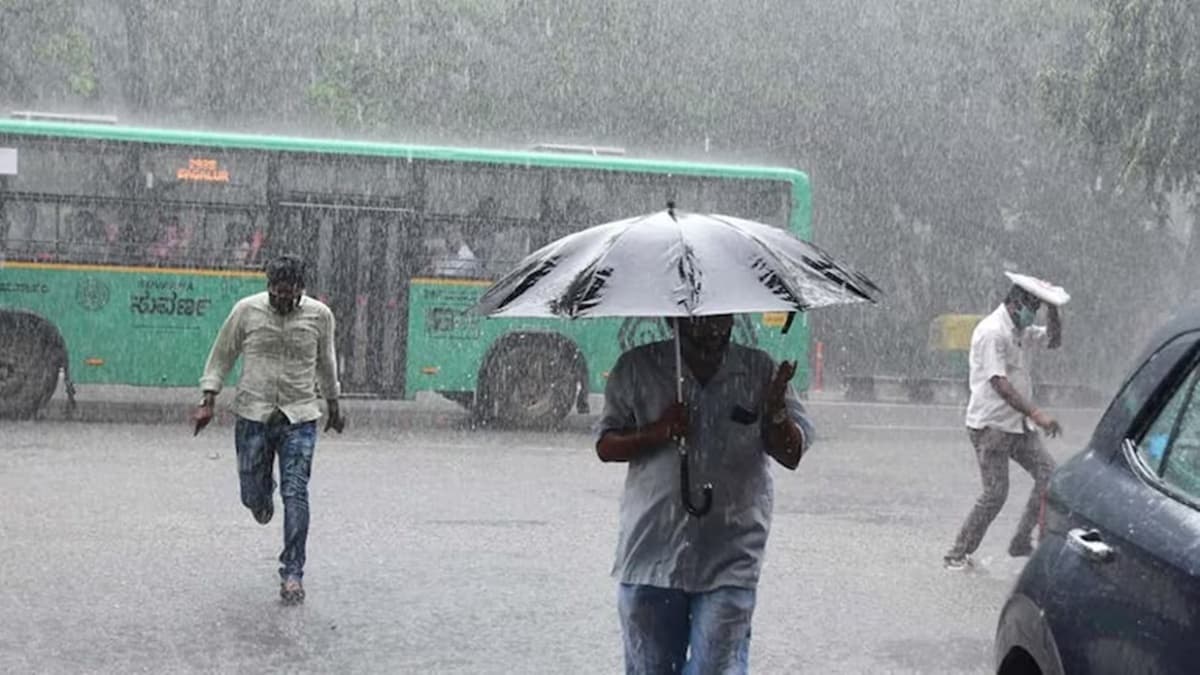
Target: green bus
(123, 248)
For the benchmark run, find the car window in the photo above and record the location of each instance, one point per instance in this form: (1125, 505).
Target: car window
(1141, 385)
(1171, 445)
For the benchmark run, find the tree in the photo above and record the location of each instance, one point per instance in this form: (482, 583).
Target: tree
(422, 66)
(1134, 100)
(918, 120)
(46, 55)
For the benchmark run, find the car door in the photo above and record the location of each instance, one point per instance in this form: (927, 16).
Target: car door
(1125, 590)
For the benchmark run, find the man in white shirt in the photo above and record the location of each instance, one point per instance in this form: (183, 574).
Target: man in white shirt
(1001, 418)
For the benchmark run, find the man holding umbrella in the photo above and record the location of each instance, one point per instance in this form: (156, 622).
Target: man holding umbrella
(689, 581)
(688, 569)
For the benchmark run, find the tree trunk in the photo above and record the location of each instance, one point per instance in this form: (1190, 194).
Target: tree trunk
(136, 91)
(215, 103)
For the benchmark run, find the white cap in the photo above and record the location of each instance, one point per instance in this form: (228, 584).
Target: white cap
(1041, 288)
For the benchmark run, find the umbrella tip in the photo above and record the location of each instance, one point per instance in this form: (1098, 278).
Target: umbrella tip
(671, 208)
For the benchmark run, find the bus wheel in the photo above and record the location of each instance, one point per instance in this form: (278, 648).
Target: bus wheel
(530, 382)
(30, 358)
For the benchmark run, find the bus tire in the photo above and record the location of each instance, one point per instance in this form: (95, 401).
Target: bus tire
(32, 352)
(529, 381)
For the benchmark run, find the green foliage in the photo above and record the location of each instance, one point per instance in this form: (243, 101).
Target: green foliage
(73, 52)
(45, 54)
(1138, 91)
(404, 64)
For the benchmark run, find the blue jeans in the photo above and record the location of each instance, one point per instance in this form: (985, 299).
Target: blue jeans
(257, 445)
(660, 624)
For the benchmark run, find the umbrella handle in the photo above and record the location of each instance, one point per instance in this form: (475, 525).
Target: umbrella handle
(686, 487)
(684, 479)
(699, 511)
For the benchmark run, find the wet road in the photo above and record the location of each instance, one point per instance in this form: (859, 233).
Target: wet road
(124, 548)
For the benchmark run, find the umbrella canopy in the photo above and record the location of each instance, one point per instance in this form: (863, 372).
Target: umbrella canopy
(673, 263)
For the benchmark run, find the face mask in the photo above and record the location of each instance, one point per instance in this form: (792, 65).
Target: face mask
(1025, 316)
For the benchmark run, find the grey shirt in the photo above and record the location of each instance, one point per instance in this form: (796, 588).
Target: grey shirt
(660, 543)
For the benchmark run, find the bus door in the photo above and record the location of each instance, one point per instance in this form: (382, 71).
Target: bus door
(358, 266)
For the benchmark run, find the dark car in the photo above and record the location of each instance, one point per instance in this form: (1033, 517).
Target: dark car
(1114, 585)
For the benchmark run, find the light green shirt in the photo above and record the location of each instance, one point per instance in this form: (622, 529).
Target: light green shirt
(288, 360)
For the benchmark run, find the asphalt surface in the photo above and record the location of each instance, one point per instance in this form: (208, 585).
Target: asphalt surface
(438, 549)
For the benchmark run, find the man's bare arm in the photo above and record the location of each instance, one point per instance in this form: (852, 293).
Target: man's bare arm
(1053, 327)
(626, 444)
(1012, 397)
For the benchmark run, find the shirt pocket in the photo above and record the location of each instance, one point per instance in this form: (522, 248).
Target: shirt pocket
(742, 431)
(303, 340)
(263, 340)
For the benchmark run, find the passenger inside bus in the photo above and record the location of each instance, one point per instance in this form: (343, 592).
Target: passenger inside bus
(31, 230)
(244, 245)
(172, 243)
(134, 238)
(481, 225)
(88, 238)
(451, 255)
(457, 252)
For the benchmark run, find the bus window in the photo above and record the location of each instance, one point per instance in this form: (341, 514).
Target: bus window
(509, 248)
(171, 241)
(686, 191)
(243, 242)
(505, 192)
(139, 229)
(90, 233)
(364, 178)
(195, 237)
(576, 200)
(765, 201)
(494, 231)
(6, 227)
(449, 249)
(477, 218)
(31, 230)
(69, 168)
(642, 193)
(296, 234)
